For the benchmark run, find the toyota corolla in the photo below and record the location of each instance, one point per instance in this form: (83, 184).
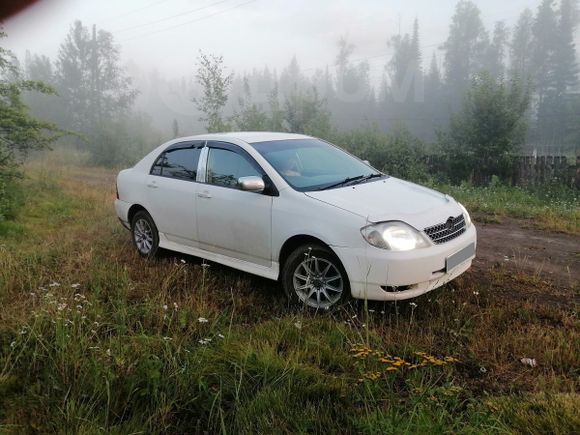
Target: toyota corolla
(299, 210)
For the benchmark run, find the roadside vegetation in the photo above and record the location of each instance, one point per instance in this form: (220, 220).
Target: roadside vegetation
(95, 339)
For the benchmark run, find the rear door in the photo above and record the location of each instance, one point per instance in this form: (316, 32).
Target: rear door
(172, 187)
(231, 221)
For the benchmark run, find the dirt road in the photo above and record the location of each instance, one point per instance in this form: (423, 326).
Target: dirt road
(525, 250)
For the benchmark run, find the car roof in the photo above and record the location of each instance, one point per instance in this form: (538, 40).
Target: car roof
(249, 136)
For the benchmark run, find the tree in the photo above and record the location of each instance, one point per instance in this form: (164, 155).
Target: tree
(464, 49)
(496, 51)
(544, 32)
(20, 133)
(521, 47)
(90, 80)
(490, 126)
(249, 116)
(306, 113)
(215, 84)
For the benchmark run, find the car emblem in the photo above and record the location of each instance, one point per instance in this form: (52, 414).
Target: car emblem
(449, 224)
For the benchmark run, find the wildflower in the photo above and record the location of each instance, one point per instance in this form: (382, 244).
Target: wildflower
(371, 311)
(175, 306)
(167, 338)
(79, 307)
(54, 284)
(391, 369)
(221, 336)
(476, 293)
(354, 317)
(75, 285)
(482, 369)
(13, 345)
(413, 305)
(61, 307)
(182, 261)
(298, 324)
(165, 307)
(205, 341)
(109, 352)
(202, 320)
(32, 294)
(205, 265)
(23, 331)
(382, 312)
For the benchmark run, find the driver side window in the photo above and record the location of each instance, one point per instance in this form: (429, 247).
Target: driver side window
(224, 167)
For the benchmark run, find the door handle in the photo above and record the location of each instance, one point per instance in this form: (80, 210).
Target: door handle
(204, 194)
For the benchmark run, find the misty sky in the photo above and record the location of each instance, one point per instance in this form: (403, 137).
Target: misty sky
(167, 34)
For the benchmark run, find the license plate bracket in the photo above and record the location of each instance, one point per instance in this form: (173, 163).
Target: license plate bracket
(459, 257)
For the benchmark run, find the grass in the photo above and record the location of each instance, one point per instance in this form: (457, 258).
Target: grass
(95, 339)
(552, 208)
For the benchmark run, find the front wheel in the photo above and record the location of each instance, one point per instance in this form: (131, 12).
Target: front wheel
(314, 276)
(144, 234)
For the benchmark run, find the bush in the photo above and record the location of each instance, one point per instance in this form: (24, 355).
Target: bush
(398, 153)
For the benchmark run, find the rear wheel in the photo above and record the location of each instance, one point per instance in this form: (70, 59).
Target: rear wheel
(144, 234)
(313, 276)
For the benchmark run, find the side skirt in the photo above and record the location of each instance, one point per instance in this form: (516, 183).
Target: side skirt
(256, 269)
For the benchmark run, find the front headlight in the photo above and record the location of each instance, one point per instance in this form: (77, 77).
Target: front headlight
(465, 215)
(395, 236)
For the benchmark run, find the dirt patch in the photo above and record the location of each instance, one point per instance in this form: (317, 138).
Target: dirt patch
(522, 250)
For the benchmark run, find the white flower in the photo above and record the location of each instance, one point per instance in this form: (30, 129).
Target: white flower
(354, 317)
(54, 284)
(483, 369)
(476, 293)
(167, 338)
(75, 285)
(202, 320)
(61, 307)
(182, 261)
(413, 305)
(175, 305)
(298, 324)
(108, 352)
(221, 336)
(165, 307)
(205, 341)
(371, 311)
(13, 344)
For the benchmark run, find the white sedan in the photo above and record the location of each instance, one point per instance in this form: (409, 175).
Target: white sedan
(299, 210)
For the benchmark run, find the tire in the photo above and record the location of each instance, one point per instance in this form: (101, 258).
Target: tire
(314, 277)
(144, 234)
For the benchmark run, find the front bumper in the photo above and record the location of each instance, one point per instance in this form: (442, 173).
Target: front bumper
(382, 275)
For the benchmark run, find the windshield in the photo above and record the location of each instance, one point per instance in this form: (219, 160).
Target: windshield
(311, 164)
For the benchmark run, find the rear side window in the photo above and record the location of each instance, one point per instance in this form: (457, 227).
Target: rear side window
(178, 163)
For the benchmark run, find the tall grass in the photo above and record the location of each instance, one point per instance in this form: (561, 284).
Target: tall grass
(95, 339)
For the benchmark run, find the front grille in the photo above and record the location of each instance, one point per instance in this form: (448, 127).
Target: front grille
(446, 231)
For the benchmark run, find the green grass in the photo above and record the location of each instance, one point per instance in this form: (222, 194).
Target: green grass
(553, 208)
(127, 350)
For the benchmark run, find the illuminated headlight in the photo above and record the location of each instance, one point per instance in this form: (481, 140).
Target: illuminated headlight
(395, 236)
(465, 215)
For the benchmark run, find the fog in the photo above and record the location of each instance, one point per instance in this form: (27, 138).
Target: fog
(166, 35)
(131, 70)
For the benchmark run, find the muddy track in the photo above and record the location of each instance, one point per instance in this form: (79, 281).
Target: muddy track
(518, 248)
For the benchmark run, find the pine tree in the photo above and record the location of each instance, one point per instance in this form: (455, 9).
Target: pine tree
(90, 80)
(544, 32)
(464, 49)
(496, 51)
(521, 48)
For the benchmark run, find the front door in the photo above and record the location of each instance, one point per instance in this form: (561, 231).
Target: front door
(231, 221)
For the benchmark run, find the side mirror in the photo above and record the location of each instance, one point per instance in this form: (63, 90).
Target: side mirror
(252, 184)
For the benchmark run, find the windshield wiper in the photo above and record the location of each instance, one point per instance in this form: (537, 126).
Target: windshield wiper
(369, 177)
(343, 182)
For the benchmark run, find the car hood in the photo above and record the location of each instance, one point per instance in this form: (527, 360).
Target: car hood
(392, 199)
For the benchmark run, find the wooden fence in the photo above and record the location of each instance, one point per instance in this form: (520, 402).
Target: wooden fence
(530, 170)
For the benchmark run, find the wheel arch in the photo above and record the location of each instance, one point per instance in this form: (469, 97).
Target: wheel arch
(298, 240)
(133, 211)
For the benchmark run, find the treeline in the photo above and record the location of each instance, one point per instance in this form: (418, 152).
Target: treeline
(481, 97)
